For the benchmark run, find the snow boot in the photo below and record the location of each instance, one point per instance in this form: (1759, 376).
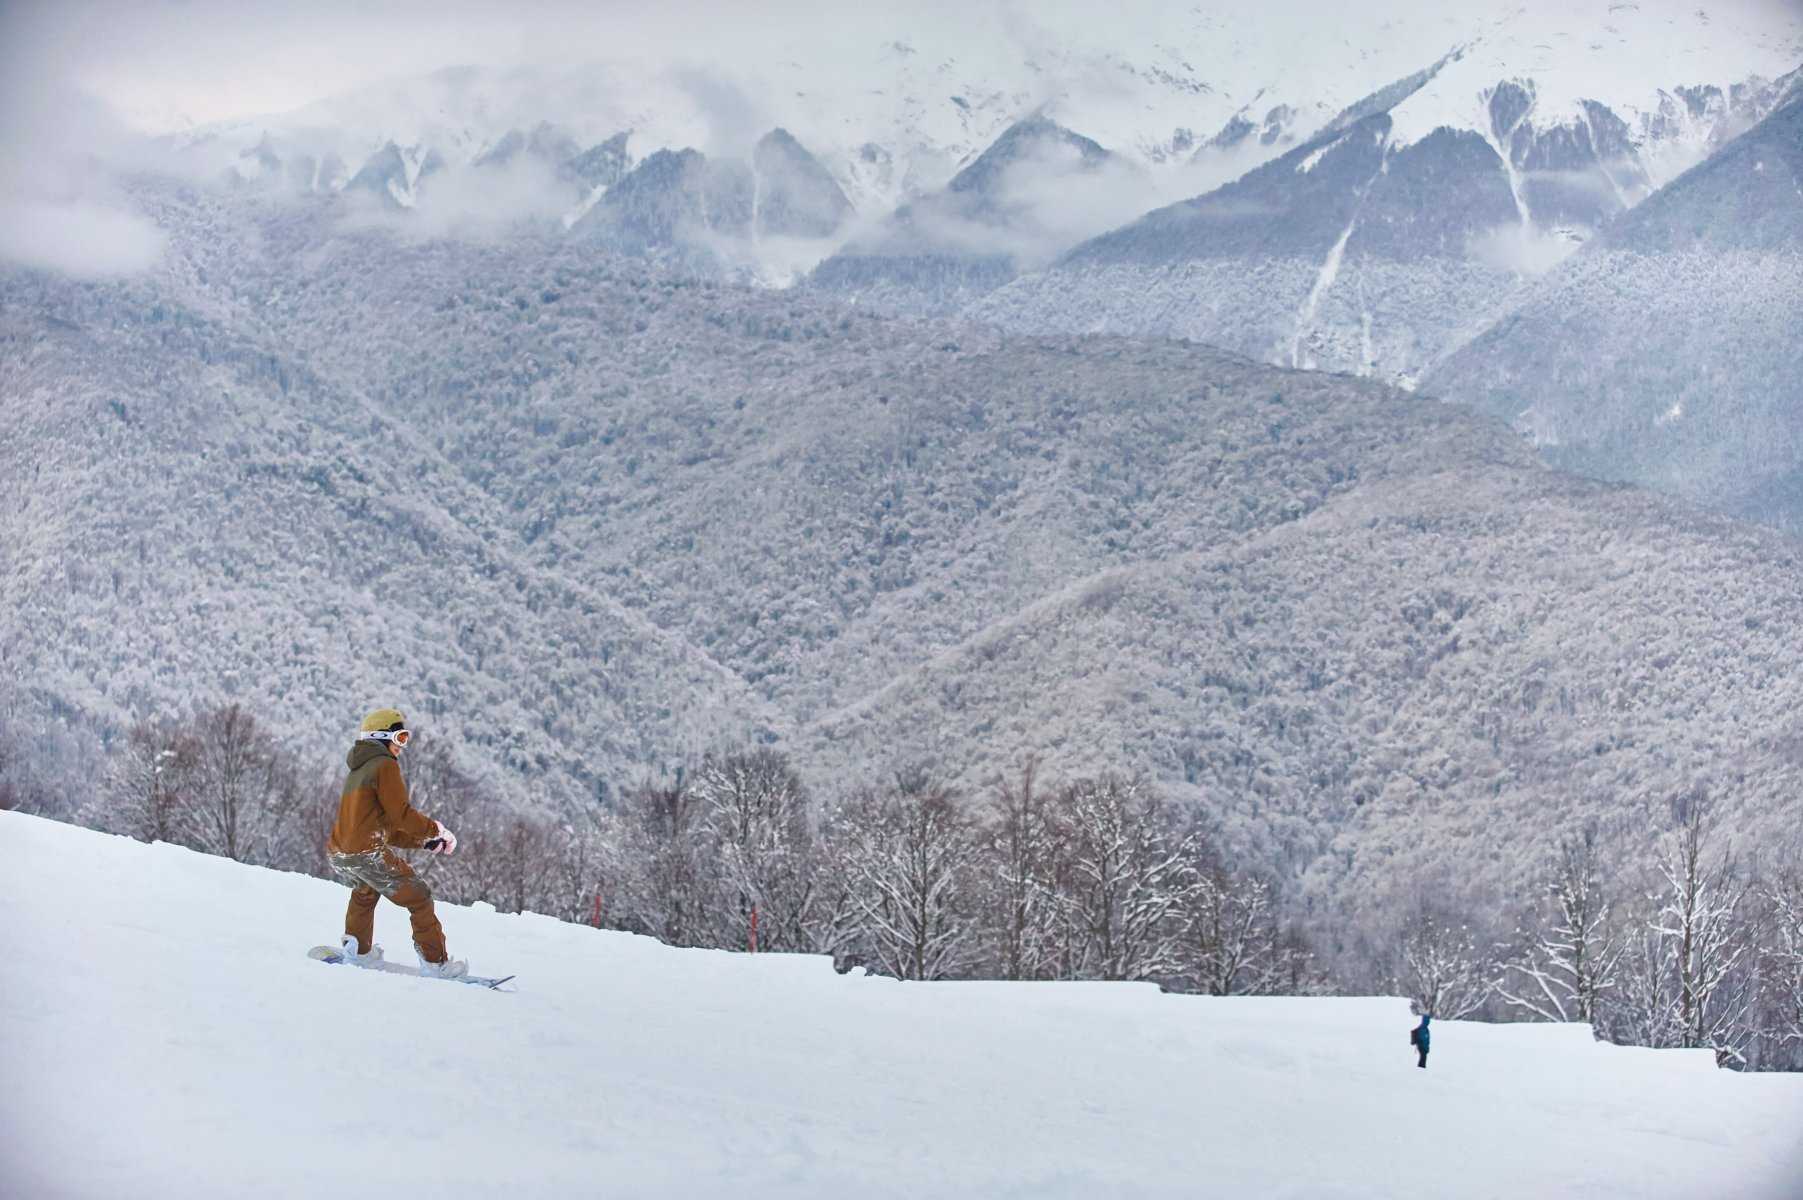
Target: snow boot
(450, 968)
(350, 952)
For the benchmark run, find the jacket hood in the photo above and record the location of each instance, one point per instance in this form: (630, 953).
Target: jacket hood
(362, 752)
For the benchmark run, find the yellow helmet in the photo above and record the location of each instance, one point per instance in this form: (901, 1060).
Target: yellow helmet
(383, 720)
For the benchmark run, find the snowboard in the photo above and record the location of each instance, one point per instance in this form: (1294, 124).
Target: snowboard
(335, 954)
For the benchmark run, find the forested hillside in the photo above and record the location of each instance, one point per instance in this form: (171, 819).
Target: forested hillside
(594, 522)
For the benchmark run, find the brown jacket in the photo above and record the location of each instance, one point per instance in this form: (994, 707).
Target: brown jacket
(373, 811)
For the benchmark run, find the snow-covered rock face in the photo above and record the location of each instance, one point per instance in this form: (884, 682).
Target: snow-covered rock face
(742, 215)
(395, 175)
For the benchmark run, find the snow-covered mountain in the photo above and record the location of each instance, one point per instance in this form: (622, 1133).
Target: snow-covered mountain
(895, 104)
(1391, 237)
(152, 1055)
(722, 212)
(1011, 207)
(1666, 352)
(395, 176)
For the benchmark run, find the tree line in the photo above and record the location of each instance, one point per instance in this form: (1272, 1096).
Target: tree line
(1091, 878)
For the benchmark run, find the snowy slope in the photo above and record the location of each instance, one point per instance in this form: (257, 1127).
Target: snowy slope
(1630, 57)
(164, 1036)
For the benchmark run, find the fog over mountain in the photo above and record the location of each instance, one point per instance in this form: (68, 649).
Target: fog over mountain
(894, 105)
(1001, 213)
(719, 216)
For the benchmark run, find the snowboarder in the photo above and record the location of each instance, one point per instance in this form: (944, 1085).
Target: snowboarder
(1418, 1037)
(375, 818)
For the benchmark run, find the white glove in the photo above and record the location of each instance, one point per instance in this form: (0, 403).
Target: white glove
(444, 842)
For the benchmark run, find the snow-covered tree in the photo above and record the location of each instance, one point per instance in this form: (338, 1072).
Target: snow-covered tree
(580, 860)
(1783, 972)
(1686, 974)
(1571, 952)
(756, 812)
(910, 848)
(1703, 919)
(1130, 879)
(1442, 968)
(146, 782)
(1023, 849)
(241, 800)
(664, 882)
(1642, 1009)
(518, 858)
(1233, 945)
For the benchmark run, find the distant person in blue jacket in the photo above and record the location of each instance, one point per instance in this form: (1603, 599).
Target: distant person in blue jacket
(1418, 1038)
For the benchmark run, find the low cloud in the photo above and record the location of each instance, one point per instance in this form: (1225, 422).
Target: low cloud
(771, 261)
(1588, 182)
(78, 237)
(61, 208)
(1521, 249)
(1232, 208)
(1061, 202)
(1049, 201)
(732, 121)
(479, 202)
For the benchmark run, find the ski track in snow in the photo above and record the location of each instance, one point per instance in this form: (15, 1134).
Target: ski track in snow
(165, 1035)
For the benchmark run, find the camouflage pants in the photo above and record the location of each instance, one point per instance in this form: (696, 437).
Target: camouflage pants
(376, 873)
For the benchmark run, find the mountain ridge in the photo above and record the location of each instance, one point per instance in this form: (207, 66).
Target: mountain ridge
(1660, 353)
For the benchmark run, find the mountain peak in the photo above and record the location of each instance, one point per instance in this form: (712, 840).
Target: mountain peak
(1034, 136)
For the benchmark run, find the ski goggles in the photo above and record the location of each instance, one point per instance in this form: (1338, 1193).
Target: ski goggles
(399, 737)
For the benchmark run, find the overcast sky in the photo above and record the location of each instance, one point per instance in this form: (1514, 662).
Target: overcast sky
(161, 63)
(164, 63)
(157, 61)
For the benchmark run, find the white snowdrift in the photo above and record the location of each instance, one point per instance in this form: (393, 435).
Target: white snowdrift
(163, 1034)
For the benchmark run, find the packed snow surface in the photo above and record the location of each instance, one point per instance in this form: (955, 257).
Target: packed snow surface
(164, 1034)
